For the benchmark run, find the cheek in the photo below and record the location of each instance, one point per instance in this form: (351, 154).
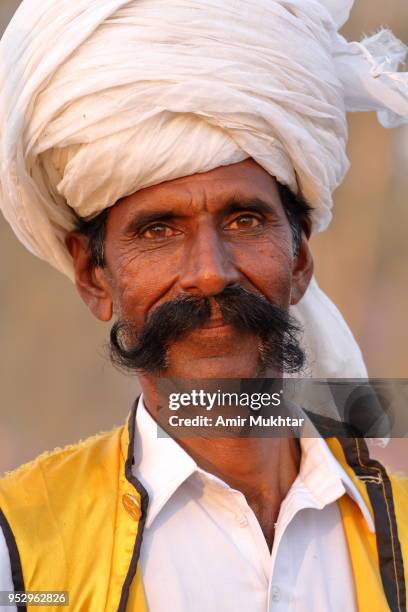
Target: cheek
(140, 283)
(268, 268)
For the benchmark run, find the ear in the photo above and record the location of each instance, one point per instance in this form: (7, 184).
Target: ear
(91, 281)
(302, 270)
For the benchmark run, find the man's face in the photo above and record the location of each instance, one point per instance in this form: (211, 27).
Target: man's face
(196, 236)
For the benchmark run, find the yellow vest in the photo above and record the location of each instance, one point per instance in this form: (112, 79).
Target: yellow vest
(73, 521)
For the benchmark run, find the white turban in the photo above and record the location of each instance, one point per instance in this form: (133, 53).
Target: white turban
(101, 98)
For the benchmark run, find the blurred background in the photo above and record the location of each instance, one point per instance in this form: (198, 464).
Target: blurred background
(57, 384)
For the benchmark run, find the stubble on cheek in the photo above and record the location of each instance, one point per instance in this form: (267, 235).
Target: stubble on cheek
(269, 271)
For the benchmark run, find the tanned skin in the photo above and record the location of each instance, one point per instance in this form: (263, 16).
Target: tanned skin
(195, 236)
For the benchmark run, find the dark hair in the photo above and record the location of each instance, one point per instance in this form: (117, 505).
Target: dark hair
(297, 211)
(94, 229)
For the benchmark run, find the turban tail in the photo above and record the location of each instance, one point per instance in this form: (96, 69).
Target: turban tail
(99, 99)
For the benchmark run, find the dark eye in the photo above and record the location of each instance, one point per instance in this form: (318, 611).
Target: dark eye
(158, 231)
(244, 222)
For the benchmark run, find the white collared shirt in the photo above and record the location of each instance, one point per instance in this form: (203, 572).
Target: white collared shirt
(204, 550)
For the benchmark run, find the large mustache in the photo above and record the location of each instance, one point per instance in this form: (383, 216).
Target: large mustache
(247, 311)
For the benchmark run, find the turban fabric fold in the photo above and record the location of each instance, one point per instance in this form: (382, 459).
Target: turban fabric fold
(101, 98)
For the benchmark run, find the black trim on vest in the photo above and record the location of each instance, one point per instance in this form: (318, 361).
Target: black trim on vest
(144, 503)
(331, 428)
(15, 561)
(379, 490)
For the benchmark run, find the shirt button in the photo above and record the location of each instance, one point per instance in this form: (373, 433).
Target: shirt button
(132, 506)
(241, 520)
(276, 594)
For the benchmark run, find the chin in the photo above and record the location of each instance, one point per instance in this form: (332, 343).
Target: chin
(214, 367)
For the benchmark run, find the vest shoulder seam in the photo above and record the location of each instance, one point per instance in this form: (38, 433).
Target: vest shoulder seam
(59, 451)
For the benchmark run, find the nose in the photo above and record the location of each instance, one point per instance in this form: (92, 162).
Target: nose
(208, 266)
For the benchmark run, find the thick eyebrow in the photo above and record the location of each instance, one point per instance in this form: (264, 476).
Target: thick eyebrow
(141, 219)
(237, 204)
(231, 206)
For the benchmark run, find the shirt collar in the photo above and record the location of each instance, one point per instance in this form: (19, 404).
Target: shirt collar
(323, 476)
(326, 479)
(162, 466)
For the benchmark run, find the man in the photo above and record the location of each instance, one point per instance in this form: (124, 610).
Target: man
(161, 154)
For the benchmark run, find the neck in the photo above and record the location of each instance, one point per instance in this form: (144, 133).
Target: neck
(263, 469)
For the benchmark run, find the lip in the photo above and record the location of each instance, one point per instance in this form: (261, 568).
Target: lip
(214, 328)
(214, 324)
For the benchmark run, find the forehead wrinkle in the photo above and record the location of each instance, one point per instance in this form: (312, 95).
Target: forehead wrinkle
(180, 200)
(170, 203)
